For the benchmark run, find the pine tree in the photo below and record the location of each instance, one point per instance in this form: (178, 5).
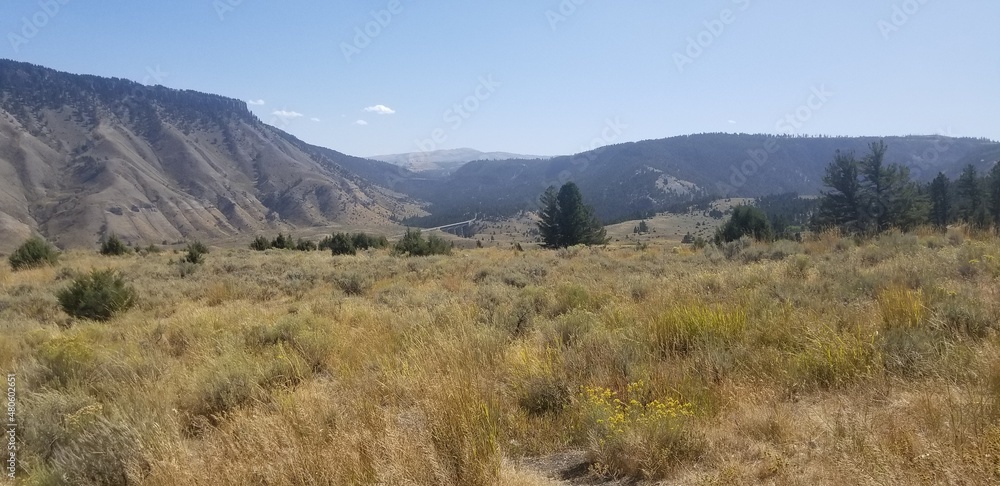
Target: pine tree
(870, 195)
(994, 193)
(940, 201)
(876, 180)
(549, 212)
(970, 198)
(839, 207)
(745, 221)
(567, 221)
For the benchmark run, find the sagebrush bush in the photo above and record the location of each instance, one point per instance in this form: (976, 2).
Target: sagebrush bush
(98, 296)
(632, 436)
(542, 395)
(33, 253)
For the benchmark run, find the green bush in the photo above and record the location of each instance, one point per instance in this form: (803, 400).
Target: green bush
(113, 246)
(342, 244)
(196, 253)
(282, 242)
(98, 296)
(745, 221)
(364, 241)
(260, 244)
(414, 244)
(33, 253)
(305, 245)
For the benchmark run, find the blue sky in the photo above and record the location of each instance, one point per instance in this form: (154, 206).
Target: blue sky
(543, 77)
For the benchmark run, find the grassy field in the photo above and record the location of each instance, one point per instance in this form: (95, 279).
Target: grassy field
(816, 363)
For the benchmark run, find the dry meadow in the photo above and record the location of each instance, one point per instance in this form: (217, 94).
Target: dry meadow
(822, 362)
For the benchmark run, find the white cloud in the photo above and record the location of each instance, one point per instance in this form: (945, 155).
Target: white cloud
(256, 102)
(361, 122)
(317, 120)
(287, 115)
(732, 122)
(380, 110)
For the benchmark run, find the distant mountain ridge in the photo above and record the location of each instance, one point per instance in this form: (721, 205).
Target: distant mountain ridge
(633, 180)
(84, 156)
(445, 161)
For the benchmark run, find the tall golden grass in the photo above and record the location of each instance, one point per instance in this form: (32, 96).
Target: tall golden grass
(827, 362)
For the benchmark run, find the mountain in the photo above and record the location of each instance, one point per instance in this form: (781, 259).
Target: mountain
(443, 162)
(633, 180)
(84, 156)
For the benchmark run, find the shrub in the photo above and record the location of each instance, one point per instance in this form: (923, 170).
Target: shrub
(260, 244)
(305, 245)
(196, 253)
(635, 437)
(33, 253)
(543, 395)
(98, 296)
(185, 268)
(354, 283)
(363, 241)
(113, 246)
(282, 242)
(414, 244)
(342, 244)
(149, 250)
(745, 221)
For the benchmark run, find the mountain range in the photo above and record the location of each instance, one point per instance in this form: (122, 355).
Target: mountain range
(84, 156)
(443, 162)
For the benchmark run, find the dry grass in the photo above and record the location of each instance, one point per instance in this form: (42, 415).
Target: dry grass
(827, 362)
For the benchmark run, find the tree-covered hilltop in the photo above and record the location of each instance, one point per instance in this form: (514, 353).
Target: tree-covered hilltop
(633, 180)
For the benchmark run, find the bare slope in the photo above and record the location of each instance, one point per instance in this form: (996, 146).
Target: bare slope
(82, 156)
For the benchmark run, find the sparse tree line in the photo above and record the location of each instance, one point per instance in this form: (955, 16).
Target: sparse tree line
(869, 196)
(413, 243)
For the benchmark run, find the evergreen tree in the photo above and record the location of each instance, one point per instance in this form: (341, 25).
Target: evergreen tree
(113, 246)
(839, 206)
(870, 195)
(969, 191)
(876, 181)
(994, 194)
(260, 244)
(745, 221)
(567, 221)
(940, 201)
(549, 213)
(343, 244)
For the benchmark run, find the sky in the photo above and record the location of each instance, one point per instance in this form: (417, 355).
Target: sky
(542, 77)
